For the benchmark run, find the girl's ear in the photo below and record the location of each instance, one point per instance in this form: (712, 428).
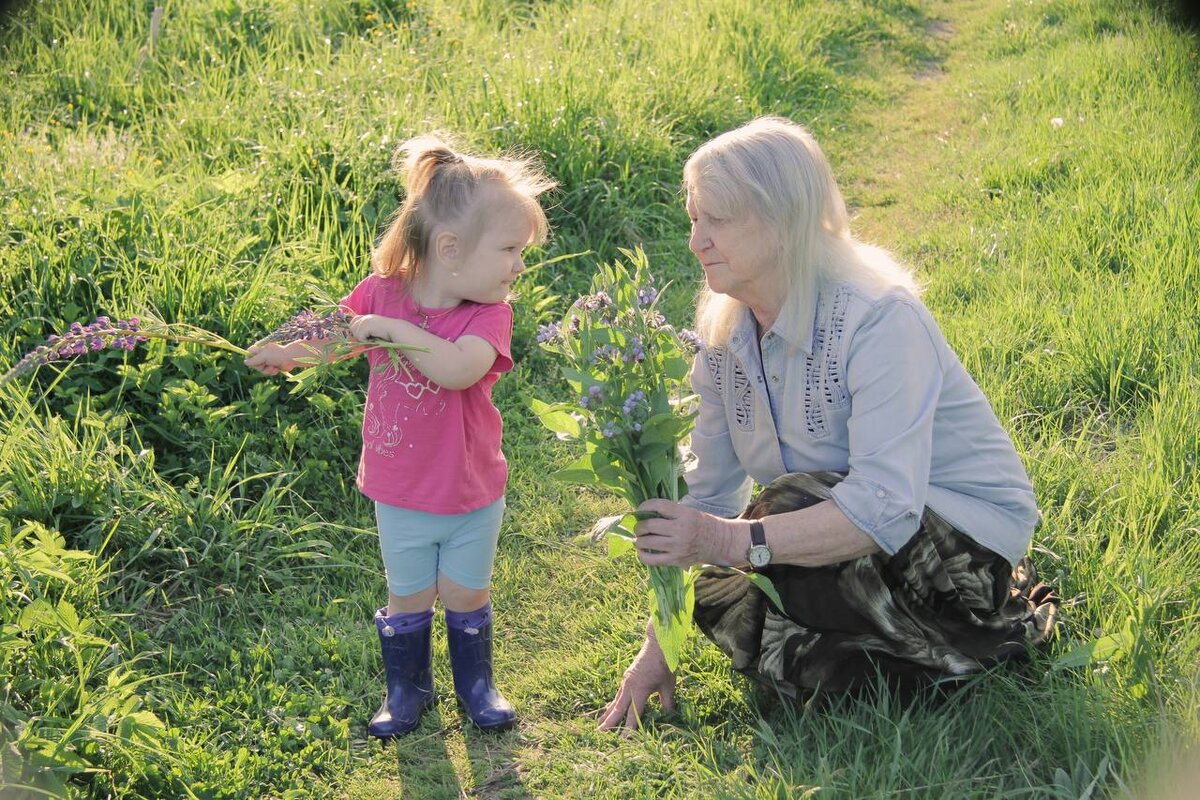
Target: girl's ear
(447, 246)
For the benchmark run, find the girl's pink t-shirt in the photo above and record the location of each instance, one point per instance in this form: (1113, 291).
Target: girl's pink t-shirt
(426, 447)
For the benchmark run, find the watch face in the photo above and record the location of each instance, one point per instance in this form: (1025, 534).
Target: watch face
(759, 555)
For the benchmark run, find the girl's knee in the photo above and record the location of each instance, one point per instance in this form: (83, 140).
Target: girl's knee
(412, 603)
(457, 597)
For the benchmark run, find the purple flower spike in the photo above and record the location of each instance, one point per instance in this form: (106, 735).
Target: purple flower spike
(79, 340)
(308, 325)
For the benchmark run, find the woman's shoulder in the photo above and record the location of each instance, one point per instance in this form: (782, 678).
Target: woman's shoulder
(887, 311)
(862, 303)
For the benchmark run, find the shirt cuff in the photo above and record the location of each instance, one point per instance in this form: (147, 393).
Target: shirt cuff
(708, 508)
(890, 520)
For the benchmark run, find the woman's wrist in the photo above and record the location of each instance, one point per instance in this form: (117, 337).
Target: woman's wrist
(735, 543)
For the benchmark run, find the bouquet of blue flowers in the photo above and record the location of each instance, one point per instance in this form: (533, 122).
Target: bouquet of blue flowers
(632, 410)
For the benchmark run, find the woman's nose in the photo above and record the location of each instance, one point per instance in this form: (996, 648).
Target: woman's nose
(698, 242)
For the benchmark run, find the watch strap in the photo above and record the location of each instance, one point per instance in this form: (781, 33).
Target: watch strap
(757, 534)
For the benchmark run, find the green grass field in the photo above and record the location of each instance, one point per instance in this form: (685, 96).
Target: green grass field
(188, 571)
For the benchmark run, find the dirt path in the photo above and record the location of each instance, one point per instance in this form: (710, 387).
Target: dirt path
(906, 147)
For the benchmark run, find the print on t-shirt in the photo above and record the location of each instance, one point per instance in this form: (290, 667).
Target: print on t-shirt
(414, 394)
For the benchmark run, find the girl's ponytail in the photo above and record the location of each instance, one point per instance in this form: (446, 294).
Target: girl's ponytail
(418, 159)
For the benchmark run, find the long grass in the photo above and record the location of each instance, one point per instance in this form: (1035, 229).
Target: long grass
(189, 572)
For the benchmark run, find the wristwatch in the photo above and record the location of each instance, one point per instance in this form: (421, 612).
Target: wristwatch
(759, 555)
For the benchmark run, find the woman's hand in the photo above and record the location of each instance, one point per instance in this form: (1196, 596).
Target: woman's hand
(646, 676)
(681, 536)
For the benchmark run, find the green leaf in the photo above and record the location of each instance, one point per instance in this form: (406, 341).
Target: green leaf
(556, 417)
(618, 530)
(574, 476)
(1106, 648)
(767, 588)
(653, 449)
(37, 614)
(619, 545)
(68, 616)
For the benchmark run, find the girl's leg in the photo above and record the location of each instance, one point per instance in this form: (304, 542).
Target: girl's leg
(412, 603)
(464, 581)
(456, 597)
(405, 624)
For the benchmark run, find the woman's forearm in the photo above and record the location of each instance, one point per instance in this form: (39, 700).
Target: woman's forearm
(814, 537)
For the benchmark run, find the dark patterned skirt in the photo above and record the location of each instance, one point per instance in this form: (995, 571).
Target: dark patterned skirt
(941, 608)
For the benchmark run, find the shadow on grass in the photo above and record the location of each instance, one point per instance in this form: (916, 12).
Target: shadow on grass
(494, 766)
(428, 762)
(423, 764)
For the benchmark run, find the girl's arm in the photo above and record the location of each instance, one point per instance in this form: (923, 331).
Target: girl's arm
(454, 365)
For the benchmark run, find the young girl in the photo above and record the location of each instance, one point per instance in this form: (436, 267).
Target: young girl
(431, 457)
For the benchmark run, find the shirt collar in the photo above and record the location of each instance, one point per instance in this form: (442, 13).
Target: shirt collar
(796, 319)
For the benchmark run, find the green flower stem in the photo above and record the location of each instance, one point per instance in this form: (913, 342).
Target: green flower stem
(219, 344)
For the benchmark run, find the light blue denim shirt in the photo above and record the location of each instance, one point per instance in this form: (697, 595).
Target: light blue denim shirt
(866, 384)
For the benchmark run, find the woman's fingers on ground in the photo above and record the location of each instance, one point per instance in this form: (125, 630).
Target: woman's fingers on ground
(614, 711)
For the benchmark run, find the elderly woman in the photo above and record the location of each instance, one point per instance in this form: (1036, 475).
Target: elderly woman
(895, 513)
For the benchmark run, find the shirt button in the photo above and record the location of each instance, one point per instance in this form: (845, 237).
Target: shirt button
(881, 493)
(774, 379)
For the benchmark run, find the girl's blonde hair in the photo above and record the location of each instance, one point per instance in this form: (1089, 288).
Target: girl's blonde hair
(773, 168)
(443, 187)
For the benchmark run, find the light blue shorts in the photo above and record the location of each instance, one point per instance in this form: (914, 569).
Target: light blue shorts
(417, 545)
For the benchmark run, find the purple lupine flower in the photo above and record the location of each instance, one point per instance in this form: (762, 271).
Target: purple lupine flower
(609, 430)
(594, 391)
(690, 339)
(655, 319)
(309, 325)
(78, 340)
(549, 333)
(646, 296)
(574, 325)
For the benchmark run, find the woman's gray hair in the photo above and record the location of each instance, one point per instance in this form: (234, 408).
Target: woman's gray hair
(774, 169)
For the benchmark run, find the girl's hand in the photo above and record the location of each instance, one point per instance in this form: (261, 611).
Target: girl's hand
(270, 359)
(648, 675)
(366, 326)
(680, 536)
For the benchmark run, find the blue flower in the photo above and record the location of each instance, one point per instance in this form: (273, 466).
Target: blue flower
(690, 339)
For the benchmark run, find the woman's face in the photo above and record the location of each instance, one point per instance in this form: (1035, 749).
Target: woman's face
(737, 253)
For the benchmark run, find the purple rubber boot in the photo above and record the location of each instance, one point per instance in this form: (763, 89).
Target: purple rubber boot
(469, 636)
(407, 662)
